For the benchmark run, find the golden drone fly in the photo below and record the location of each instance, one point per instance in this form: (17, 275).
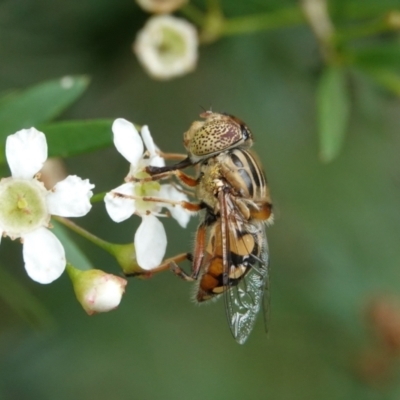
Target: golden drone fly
(230, 256)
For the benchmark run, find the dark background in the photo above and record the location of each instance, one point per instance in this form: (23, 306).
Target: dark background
(334, 246)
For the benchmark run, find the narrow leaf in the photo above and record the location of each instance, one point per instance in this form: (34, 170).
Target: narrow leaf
(333, 106)
(25, 304)
(70, 138)
(7, 96)
(39, 104)
(73, 252)
(388, 79)
(384, 55)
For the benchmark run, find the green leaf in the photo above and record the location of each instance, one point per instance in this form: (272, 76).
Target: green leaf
(388, 79)
(333, 105)
(25, 304)
(384, 55)
(73, 252)
(39, 104)
(7, 95)
(69, 138)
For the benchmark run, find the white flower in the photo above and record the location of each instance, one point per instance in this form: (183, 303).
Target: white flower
(167, 47)
(150, 239)
(161, 6)
(26, 206)
(96, 290)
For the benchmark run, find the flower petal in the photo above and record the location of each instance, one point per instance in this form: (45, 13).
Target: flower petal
(150, 242)
(155, 159)
(44, 256)
(26, 152)
(105, 294)
(96, 290)
(70, 197)
(120, 208)
(127, 140)
(148, 140)
(179, 213)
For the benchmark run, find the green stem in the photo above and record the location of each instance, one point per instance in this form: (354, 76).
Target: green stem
(192, 13)
(98, 197)
(107, 246)
(363, 9)
(273, 20)
(214, 6)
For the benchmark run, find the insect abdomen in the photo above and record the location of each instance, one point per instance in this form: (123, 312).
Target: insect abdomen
(241, 258)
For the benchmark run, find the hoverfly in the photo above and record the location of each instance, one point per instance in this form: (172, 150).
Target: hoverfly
(230, 257)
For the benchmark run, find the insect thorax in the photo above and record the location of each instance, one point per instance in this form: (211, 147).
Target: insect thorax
(238, 172)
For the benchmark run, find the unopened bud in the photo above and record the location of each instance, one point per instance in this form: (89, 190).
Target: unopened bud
(161, 6)
(96, 290)
(393, 19)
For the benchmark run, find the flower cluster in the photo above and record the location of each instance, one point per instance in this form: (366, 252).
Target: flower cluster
(166, 46)
(125, 200)
(26, 208)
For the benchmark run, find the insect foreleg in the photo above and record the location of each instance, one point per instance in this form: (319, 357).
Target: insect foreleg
(160, 170)
(194, 207)
(184, 178)
(171, 156)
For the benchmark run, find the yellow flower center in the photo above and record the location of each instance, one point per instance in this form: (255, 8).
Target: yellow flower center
(172, 45)
(146, 189)
(22, 206)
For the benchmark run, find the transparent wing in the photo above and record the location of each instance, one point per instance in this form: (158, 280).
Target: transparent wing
(246, 293)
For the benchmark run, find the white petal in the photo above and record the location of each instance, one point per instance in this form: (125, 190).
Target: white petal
(26, 152)
(70, 197)
(177, 212)
(148, 140)
(120, 208)
(105, 294)
(127, 140)
(155, 159)
(44, 256)
(150, 242)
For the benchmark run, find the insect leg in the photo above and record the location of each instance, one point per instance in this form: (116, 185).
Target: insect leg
(180, 272)
(184, 178)
(197, 258)
(184, 204)
(159, 170)
(171, 156)
(173, 260)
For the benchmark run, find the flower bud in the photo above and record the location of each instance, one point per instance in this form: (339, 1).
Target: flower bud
(96, 290)
(167, 47)
(393, 19)
(161, 6)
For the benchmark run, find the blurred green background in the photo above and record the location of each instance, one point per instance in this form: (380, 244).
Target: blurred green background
(334, 246)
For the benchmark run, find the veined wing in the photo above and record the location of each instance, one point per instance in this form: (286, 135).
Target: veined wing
(246, 272)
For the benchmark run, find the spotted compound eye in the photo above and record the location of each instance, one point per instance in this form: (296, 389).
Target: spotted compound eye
(219, 132)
